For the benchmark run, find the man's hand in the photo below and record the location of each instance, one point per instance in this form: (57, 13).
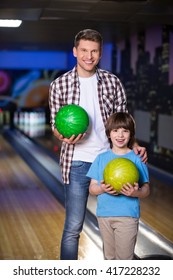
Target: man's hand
(141, 151)
(71, 140)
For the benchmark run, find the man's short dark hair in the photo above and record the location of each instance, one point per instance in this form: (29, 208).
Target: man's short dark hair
(90, 35)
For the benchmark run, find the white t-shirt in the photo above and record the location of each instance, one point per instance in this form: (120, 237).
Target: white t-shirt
(95, 142)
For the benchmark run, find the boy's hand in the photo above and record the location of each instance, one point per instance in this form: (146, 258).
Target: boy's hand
(108, 188)
(129, 190)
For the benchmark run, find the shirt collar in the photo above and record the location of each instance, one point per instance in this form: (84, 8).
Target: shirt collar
(76, 78)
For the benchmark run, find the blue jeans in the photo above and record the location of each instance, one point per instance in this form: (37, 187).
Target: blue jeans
(76, 196)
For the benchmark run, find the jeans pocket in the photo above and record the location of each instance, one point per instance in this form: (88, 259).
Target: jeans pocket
(77, 164)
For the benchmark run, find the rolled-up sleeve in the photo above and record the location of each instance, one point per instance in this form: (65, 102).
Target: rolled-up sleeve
(53, 103)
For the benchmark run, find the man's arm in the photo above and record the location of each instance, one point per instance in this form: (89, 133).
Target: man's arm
(141, 151)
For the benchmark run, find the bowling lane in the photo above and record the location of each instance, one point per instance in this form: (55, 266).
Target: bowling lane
(156, 210)
(31, 218)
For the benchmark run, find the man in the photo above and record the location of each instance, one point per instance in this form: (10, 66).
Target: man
(100, 93)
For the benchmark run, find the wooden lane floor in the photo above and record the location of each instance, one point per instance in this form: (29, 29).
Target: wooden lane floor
(157, 209)
(31, 219)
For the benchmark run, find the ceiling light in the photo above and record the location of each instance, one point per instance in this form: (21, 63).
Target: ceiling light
(10, 22)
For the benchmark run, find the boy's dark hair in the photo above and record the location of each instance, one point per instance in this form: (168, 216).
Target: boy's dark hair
(121, 120)
(90, 35)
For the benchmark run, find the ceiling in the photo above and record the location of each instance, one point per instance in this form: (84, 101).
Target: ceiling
(52, 24)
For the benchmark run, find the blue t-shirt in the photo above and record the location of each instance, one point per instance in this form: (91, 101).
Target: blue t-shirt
(109, 205)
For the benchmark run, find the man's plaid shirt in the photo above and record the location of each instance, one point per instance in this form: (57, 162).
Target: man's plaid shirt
(65, 90)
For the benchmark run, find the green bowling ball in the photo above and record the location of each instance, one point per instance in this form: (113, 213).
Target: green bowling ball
(120, 171)
(71, 120)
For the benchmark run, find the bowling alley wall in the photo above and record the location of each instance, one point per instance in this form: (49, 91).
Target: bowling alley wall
(25, 77)
(143, 62)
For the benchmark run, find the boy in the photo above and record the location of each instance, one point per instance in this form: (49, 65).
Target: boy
(118, 213)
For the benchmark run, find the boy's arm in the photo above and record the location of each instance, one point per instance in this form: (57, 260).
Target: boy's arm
(144, 191)
(94, 188)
